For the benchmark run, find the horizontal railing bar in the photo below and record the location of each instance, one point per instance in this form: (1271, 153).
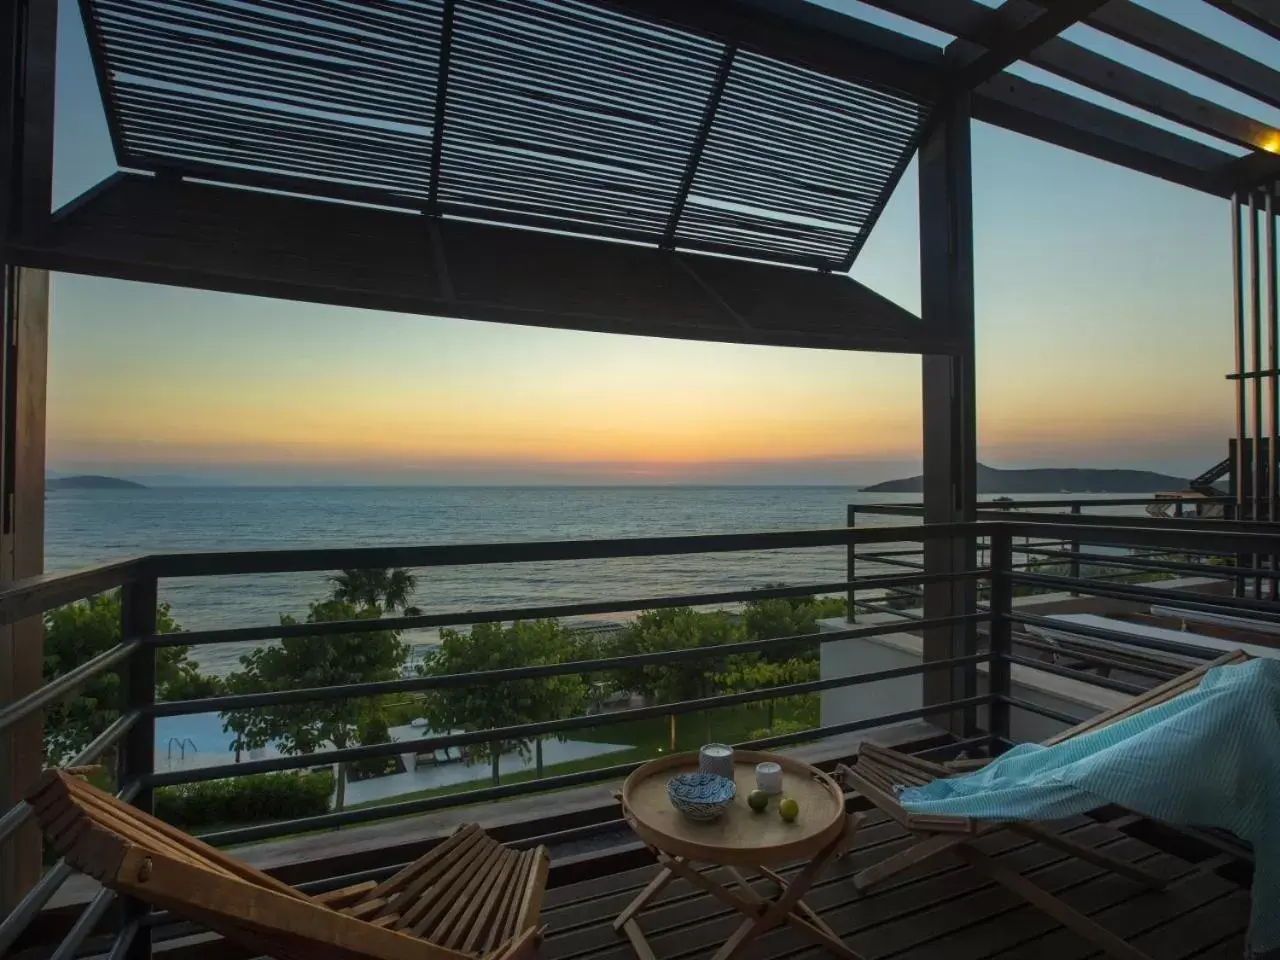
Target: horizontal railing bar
(508, 614)
(1179, 535)
(955, 746)
(881, 608)
(66, 684)
(1078, 651)
(32, 596)
(883, 720)
(105, 740)
(84, 925)
(12, 926)
(909, 509)
(526, 730)
(21, 811)
(14, 818)
(1115, 636)
(326, 821)
(1152, 563)
(1070, 674)
(894, 562)
(1261, 610)
(1043, 711)
(229, 563)
(241, 701)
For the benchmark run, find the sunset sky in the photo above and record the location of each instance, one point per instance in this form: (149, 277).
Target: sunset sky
(1104, 331)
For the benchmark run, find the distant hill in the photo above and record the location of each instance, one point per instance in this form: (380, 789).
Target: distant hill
(89, 482)
(1051, 480)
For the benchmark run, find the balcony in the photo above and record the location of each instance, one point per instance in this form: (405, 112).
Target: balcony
(597, 864)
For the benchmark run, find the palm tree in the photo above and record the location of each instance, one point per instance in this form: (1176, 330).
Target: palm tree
(388, 588)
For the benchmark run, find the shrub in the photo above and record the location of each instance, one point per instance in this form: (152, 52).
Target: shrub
(249, 799)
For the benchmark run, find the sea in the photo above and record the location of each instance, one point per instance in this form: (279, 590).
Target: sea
(85, 527)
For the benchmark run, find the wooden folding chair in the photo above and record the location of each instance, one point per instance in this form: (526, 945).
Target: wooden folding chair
(880, 772)
(469, 897)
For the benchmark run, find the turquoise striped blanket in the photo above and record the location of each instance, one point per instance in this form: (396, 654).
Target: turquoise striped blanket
(1209, 757)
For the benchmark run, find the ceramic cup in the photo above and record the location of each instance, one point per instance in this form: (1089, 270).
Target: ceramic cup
(769, 777)
(716, 758)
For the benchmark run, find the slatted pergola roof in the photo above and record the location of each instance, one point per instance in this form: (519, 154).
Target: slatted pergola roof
(553, 113)
(497, 159)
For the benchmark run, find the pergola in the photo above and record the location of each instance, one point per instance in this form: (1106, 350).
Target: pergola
(702, 170)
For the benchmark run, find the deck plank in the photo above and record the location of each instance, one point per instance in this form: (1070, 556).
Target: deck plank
(941, 910)
(697, 925)
(1130, 918)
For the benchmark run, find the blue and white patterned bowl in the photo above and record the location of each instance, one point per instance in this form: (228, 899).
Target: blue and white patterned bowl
(701, 796)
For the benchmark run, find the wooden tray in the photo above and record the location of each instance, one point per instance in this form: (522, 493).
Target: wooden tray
(741, 837)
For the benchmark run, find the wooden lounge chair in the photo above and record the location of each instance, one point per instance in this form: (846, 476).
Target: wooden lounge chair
(469, 897)
(879, 771)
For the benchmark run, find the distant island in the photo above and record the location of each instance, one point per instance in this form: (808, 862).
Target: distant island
(90, 482)
(1051, 480)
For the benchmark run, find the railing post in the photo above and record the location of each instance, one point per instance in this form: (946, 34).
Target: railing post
(851, 559)
(1001, 628)
(137, 751)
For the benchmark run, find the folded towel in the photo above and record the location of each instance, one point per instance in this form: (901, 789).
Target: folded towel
(1209, 757)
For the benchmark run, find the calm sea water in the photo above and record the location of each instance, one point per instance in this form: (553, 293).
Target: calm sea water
(84, 527)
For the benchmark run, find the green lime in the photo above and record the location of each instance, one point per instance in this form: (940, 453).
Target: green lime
(788, 809)
(757, 800)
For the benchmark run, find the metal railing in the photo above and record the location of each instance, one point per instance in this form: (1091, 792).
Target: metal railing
(1037, 553)
(132, 735)
(134, 658)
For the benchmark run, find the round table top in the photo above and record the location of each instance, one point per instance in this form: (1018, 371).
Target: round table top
(740, 837)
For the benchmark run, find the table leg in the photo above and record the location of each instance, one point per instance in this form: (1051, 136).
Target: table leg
(761, 913)
(651, 890)
(781, 910)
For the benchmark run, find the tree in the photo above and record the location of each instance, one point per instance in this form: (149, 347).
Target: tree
(678, 628)
(485, 706)
(753, 672)
(388, 588)
(773, 617)
(316, 661)
(79, 632)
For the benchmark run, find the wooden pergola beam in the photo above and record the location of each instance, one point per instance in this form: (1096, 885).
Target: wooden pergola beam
(1262, 15)
(1170, 40)
(1012, 34)
(1046, 114)
(971, 22)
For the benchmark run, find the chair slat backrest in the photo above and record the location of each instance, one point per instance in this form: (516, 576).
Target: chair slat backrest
(131, 852)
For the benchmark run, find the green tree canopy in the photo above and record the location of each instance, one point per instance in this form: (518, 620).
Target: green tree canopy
(772, 617)
(678, 628)
(388, 588)
(316, 661)
(79, 632)
(484, 706)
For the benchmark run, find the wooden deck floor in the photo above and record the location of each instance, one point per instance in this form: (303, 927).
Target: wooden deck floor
(936, 912)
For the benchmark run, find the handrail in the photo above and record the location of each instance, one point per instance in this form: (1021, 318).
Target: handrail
(66, 684)
(241, 701)
(327, 821)
(508, 614)
(20, 599)
(230, 563)
(543, 727)
(31, 596)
